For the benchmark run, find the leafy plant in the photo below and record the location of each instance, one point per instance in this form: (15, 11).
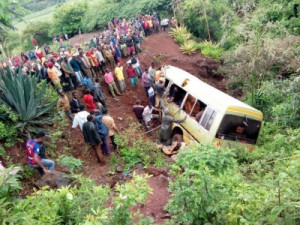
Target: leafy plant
(40, 31)
(209, 49)
(21, 95)
(67, 18)
(137, 151)
(71, 163)
(188, 47)
(9, 183)
(180, 34)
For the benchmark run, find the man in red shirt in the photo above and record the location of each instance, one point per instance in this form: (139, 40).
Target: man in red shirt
(131, 75)
(88, 100)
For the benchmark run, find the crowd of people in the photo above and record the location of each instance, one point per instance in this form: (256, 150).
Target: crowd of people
(80, 70)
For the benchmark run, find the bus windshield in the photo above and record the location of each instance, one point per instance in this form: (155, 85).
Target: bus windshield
(239, 128)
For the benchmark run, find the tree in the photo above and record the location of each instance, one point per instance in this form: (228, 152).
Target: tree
(67, 18)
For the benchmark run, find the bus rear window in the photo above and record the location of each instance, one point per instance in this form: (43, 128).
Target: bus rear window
(237, 128)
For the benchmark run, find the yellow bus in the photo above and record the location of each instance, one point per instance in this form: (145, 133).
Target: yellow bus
(213, 116)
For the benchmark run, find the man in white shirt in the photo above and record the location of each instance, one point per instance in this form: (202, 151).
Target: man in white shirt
(80, 118)
(148, 116)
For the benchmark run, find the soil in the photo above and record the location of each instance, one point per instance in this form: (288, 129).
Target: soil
(161, 49)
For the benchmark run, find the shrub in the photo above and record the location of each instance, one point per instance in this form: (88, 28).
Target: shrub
(95, 19)
(208, 49)
(188, 47)
(71, 163)
(22, 95)
(41, 32)
(135, 149)
(180, 34)
(68, 17)
(83, 204)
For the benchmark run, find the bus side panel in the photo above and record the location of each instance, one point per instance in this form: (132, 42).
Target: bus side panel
(190, 125)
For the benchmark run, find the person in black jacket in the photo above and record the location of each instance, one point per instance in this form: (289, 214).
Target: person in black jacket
(75, 103)
(92, 137)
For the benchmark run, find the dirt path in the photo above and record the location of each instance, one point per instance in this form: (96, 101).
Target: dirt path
(164, 51)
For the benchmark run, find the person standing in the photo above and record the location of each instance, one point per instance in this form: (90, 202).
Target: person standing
(80, 118)
(75, 103)
(92, 137)
(131, 75)
(87, 81)
(138, 110)
(63, 104)
(85, 64)
(120, 77)
(77, 68)
(100, 58)
(53, 76)
(110, 123)
(109, 79)
(69, 72)
(130, 45)
(88, 100)
(36, 154)
(148, 115)
(166, 127)
(98, 93)
(152, 71)
(145, 81)
(103, 132)
(136, 66)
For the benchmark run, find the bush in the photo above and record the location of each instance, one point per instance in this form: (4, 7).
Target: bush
(82, 204)
(95, 19)
(41, 32)
(188, 47)
(68, 18)
(71, 163)
(140, 150)
(22, 96)
(180, 34)
(208, 49)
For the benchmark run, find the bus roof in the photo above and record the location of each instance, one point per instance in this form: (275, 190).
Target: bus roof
(206, 93)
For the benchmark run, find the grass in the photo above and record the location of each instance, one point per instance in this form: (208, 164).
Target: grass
(43, 15)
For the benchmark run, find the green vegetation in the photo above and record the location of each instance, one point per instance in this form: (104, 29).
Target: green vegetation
(27, 100)
(140, 150)
(67, 18)
(72, 164)
(257, 43)
(84, 203)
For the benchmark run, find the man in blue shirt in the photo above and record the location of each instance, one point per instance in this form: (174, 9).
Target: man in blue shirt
(36, 154)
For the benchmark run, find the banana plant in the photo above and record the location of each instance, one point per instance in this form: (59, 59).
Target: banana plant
(27, 99)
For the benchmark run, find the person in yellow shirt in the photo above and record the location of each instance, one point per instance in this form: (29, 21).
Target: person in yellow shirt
(53, 76)
(120, 77)
(173, 22)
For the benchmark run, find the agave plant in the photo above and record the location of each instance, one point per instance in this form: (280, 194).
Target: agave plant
(189, 47)
(180, 34)
(27, 99)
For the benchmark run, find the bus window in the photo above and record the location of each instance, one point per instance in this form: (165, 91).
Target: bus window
(166, 83)
(176, 94)
(238, 128)
(208, 118)
(190, 104)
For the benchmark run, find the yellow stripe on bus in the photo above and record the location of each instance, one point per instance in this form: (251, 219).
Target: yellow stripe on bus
(246, 111)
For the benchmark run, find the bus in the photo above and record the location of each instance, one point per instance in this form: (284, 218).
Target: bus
(212, 115)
